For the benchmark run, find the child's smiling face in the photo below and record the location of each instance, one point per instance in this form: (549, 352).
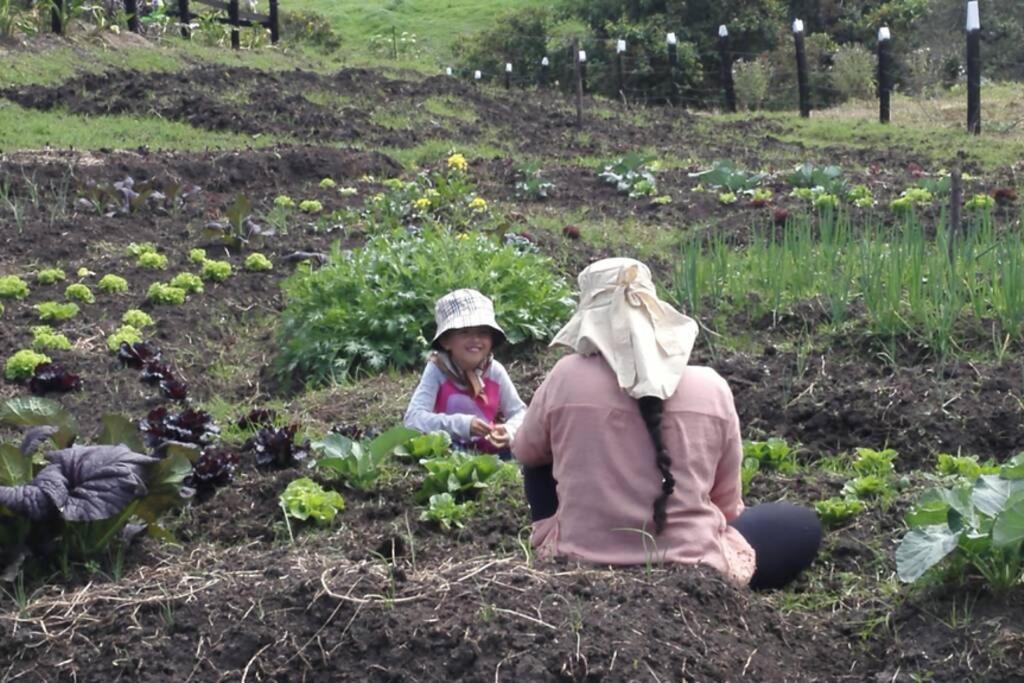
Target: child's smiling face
(468, 346)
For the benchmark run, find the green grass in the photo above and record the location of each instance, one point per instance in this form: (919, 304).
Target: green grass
(450, 107)
(436, 25)
(432, 151)
(22, 129)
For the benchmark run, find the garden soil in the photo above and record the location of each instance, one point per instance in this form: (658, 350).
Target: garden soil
(384, 596)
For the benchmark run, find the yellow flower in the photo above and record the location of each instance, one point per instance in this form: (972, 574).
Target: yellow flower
(479, 205)
(462, 236)
(379, 197)
(457, 162)
(422, 204)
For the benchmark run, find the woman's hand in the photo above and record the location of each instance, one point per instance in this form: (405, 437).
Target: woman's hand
(499, 437)
(479, 428)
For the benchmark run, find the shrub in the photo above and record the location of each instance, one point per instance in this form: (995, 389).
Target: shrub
(373, 308)
(51, 311)
(45, 338)
(151, 260)
(49, 276)
(126, 334)
(218, 271)
(853, 73)
(159, 293)
(137, 319)
(23, 363)
(112, 284)
(751, 80)
(79, 292)
(258, 263)
(13, 287)
(191, 283)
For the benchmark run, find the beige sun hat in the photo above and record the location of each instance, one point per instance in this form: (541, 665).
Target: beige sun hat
(645, 341)
(464, 308)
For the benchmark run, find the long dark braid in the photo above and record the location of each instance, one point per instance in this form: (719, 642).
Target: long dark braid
(652, 409)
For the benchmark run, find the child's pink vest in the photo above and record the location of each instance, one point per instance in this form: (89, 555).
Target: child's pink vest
(452, 400)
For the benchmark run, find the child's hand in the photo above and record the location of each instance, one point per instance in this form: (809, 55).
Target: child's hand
(479, 428)
(499, 437)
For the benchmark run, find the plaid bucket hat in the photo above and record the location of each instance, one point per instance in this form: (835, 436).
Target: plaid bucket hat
(465, 308)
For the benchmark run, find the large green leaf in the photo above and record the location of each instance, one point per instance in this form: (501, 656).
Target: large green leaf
(1014, 468)
(117, 429)
(333, 445)
(932, 508)
(1009, 527)
(389, 440)
(31, 411)
(15, 468)
(923, 548)
(991, 492)
(164, 484)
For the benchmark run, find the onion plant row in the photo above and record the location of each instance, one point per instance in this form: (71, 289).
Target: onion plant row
(928, 284)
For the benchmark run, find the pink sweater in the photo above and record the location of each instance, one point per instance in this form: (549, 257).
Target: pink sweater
(607, 480)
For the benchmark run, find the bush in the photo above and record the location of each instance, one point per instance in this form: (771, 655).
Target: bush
(373, 308)
(853, 73)
(751, 80)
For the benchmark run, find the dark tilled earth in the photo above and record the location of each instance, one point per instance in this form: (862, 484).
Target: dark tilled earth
(384, 596)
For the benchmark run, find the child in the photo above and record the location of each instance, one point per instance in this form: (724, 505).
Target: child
(463, 390)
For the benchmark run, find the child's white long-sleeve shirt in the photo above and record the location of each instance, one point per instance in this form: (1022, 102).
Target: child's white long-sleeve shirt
(421, 416)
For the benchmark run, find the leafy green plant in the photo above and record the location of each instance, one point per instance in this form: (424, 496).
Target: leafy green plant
(872, 462)
(126, 334)
(980, 202)
(13, 287)
(258, 263)
(304, 499)
(359, 464)
(445, 511)
(861, 197)
(328, 184)
(197, 255)
(979, 523)
(966, 466)
(151, 260)
(836, 511)
(373, 307)
(459, 474)
(829, 178)
(311, 206)
(631, 175)
(137, 319)
(727, 198)
(910, 198)
(190, 282)
(136, 249)
(238, 230)
(160, 293)
(725, 177)
(23, 363)
(773, 454)
(80, 292)
(49, 276)
(52, 311)
(531, 184)
(425, 446)
(45, 338)
(112, 284)
(217, 271)
(867, 486)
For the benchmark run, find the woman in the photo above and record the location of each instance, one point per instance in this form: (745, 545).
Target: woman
(632, 456)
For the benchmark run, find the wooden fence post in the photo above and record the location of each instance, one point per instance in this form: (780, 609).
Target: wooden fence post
(973, 68)
(620, 48)
(131, 8)
(58, 11)
(508, 75)
(725, 57)
(275, 23)
(801, 68)
(233, 18)
(577, 67)
(184, 16)
(545, 64)
(673, 60)
(956, 194)
(884, 73)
